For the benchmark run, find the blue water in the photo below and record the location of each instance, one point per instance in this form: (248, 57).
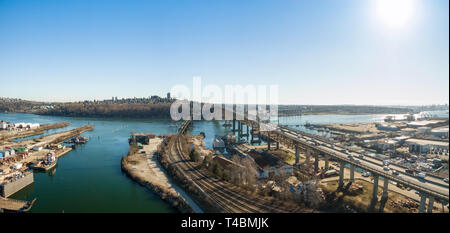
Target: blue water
(89, 178)
(298, 122)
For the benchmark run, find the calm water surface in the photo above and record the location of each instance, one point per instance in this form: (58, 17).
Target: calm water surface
(89, 178)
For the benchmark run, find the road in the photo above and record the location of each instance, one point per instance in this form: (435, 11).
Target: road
(431, 184)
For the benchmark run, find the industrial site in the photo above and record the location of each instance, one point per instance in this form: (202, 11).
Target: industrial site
(396, 166)
(225, 115)
(18, 159)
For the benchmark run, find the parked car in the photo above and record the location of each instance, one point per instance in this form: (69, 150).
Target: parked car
(395, 172)
(386, 168)
(446, 180)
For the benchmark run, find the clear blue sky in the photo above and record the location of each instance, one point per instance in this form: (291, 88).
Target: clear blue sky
(318, 52)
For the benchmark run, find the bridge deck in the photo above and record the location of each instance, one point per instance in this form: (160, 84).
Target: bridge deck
(282, 136)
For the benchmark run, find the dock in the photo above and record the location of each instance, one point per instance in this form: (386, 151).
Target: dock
(62, 152)
(11, 205)
(16, 183)
(27, 133)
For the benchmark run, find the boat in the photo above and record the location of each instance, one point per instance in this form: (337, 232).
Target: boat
(78, 140)
(42, 166)
(46, 164)
(218, 143)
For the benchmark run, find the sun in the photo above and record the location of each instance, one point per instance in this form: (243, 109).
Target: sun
(395, 13)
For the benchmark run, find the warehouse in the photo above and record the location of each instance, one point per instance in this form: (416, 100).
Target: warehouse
(425, 146)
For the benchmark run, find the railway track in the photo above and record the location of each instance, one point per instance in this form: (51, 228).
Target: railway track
(205, 188)
(228, 197)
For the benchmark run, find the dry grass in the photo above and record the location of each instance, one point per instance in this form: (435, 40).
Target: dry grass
(360, 203)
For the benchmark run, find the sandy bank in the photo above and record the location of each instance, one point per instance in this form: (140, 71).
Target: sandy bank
(144, 168)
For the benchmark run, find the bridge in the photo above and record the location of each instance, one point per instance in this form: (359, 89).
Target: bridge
(316, 146)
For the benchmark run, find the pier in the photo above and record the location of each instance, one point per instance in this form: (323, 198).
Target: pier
(14, 184)
(12, 205)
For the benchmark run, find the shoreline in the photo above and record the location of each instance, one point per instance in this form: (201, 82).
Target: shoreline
(138, 169)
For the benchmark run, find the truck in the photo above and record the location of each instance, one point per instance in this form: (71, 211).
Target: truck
(330, 173)
(421, 175)
(410, 171)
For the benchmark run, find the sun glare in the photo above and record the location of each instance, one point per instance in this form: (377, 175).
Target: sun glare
(395, 13)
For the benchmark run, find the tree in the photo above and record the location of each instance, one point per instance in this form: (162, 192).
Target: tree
(194, 156)
(217, 170)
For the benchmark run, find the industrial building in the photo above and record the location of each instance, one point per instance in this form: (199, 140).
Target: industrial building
(142, 138)
(425, 146)
(386, 127)
(440, 132)
(269, 165)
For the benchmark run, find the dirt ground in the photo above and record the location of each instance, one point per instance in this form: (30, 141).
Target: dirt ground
(356, 128)
(360, 200)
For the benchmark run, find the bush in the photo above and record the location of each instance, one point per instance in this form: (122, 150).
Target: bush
(194, 156)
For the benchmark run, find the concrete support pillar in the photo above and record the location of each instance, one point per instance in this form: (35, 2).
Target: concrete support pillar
(308, 154)
(316, 162)
(268, 140)
(385, 187)
(341, 174)
(327, 166)
(297, 156)
(375, 187)
(234, 125)
(384, 196)
(239, 129)
(430, 204)
(352, 173)
(374, 199)
(248, 132)
(423, 199)
(278, 145)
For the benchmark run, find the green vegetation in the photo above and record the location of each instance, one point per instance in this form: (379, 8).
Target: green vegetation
(17, 105)
(194, 156)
